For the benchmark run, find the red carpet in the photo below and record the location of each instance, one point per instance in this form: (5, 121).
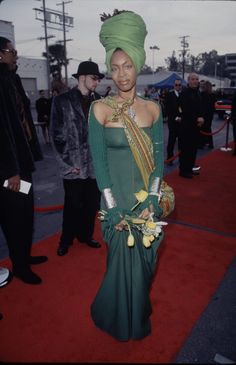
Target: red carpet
(208, 200)
(51, 322)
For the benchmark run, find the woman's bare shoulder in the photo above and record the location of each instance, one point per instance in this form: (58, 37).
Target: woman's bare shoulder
(101, 111)
(154, 108)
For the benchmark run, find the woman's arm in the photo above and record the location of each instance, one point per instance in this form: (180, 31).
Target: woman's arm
(98, 150)
(97, 145)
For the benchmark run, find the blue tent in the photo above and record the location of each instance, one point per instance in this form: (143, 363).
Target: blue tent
(169, 82)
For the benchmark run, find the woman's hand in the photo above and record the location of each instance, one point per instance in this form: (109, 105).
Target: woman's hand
(145, 214)
(120, 226)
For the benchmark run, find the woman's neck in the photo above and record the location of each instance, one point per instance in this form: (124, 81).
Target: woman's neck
(126, 96)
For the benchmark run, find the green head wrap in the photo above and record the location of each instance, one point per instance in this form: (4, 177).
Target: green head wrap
(127, 31)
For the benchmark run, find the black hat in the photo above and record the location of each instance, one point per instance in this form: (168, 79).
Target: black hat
(88, 68)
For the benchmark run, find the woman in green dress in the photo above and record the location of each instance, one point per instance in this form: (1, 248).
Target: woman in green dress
(126, 142)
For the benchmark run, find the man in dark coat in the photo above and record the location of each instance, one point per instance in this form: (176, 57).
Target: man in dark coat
(208, 100)
(69, 132)
(173, 113)
(42, 106)
(17, 153)
(192, 119)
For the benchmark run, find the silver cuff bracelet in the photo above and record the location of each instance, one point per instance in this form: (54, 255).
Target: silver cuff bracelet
(155, 186)
(108, 198)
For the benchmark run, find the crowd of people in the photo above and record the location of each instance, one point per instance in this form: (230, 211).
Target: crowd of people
(110, 151)
(189, 112)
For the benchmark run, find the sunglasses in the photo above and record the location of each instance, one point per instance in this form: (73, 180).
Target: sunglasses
(12, 51)
(177, 84)
(95, 78)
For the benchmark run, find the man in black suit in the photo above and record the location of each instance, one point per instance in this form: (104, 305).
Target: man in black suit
(192, 119)
(173, 113)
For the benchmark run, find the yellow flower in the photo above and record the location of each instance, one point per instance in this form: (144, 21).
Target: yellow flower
(146, 241)
(151, 225)
(138, 220)
(141, 195)
(151, 238)
(130, 240)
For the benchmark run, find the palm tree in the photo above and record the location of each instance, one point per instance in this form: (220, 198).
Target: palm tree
(56, 60)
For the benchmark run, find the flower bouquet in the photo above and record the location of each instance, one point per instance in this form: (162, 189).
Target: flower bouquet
(150, 229)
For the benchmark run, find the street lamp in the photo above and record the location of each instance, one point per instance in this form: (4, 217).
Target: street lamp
(153, 48)
(216, 64)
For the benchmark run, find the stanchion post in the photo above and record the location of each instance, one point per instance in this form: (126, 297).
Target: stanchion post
(226, 148)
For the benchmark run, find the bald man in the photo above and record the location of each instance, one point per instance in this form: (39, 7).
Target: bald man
(192, 120)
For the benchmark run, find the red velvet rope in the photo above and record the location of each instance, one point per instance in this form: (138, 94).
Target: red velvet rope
(172, 158)
(217, 131)
(48, 209)
(202, 132)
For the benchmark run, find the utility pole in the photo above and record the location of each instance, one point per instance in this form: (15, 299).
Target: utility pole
(46, 44)
(64, 37)
(183, 51)
(58, 19)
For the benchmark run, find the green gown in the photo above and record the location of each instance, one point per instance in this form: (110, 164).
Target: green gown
(122, 305)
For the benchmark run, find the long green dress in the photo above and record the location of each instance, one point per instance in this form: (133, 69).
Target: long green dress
(122, 306)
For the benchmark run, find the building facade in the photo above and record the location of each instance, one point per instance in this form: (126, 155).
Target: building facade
(230, 64)
(33, 71)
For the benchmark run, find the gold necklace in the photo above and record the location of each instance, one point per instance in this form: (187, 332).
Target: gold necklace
(127, 105)
(119, 110)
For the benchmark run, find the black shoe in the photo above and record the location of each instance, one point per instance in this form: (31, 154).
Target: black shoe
(92, 243)
(27, 276)
(62, 250)
(195, 173)
(36, 260)
(1, 316)
(186, 175)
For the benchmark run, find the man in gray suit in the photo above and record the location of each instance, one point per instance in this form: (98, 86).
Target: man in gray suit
(69, 132)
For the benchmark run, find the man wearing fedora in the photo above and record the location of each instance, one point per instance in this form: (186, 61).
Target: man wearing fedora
(69, 132)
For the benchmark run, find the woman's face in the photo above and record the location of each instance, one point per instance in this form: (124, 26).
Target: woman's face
(123, 72)
(9, 55)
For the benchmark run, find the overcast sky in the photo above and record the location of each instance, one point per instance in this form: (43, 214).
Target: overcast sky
(208, 24)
